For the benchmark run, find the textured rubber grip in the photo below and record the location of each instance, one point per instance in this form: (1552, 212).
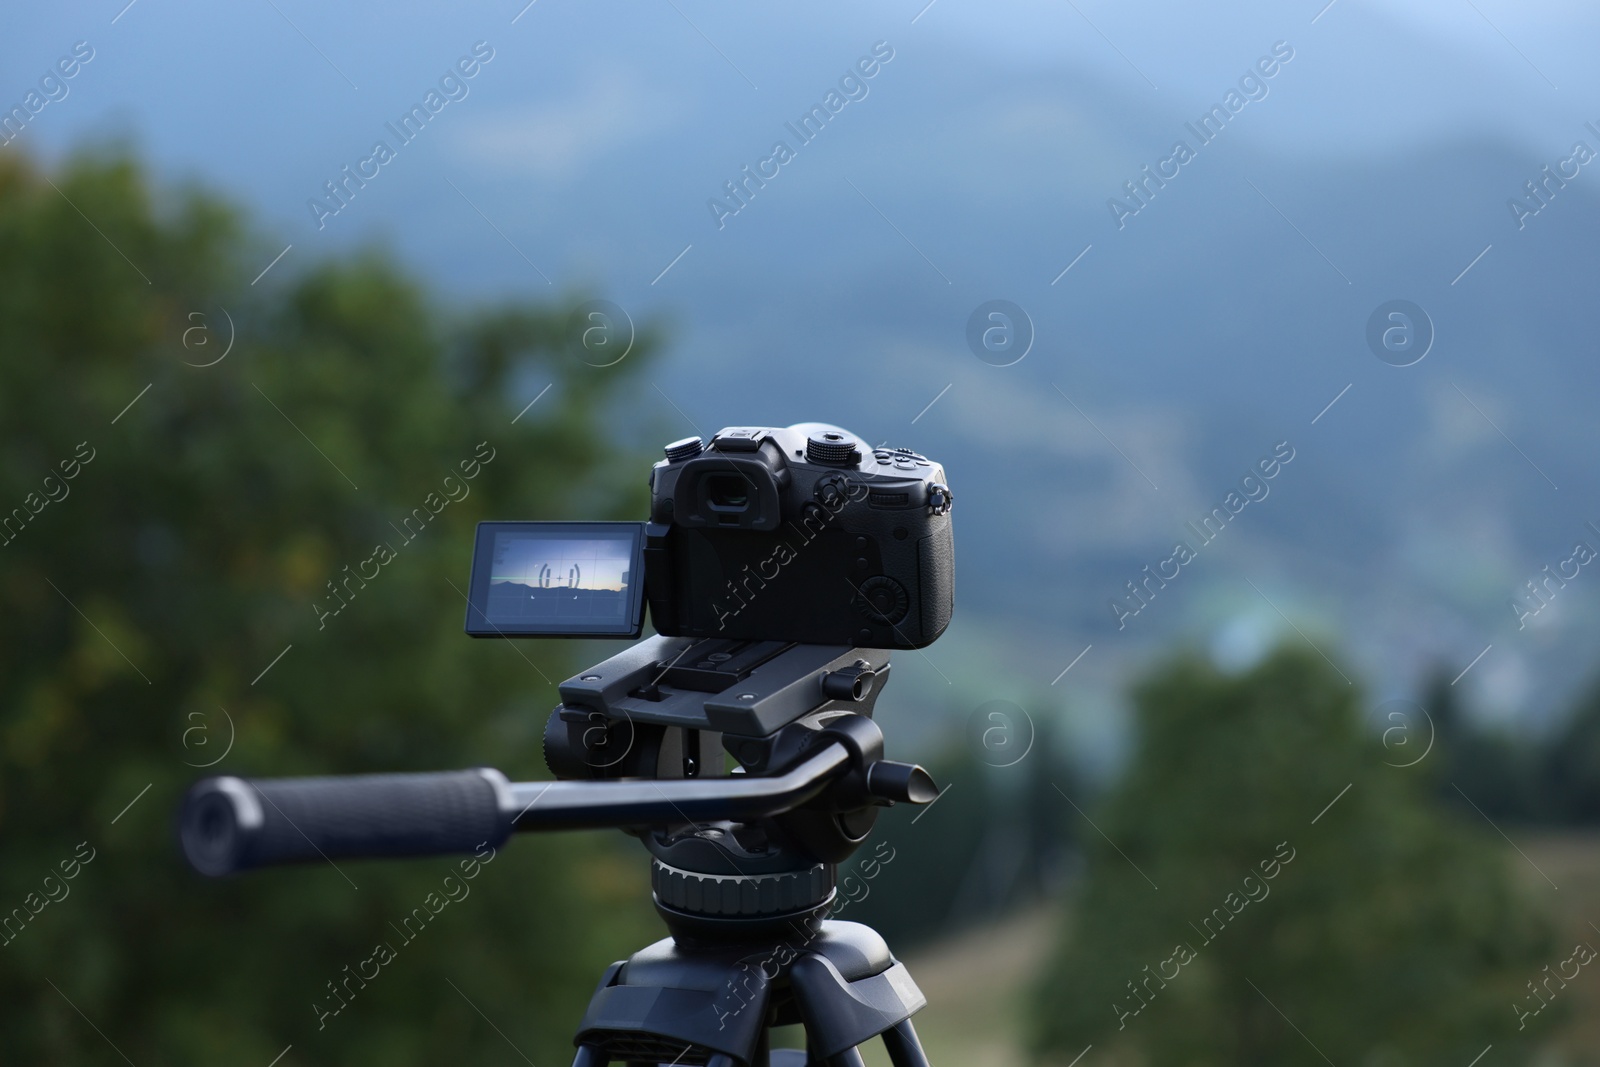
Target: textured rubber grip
(231, 824)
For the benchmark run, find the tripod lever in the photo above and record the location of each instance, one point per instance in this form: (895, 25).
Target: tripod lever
(231, 824)
(577, 805)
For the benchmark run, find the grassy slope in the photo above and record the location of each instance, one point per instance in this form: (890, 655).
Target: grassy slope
(1572, 862)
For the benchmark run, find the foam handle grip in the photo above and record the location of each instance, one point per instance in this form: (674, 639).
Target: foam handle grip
(232, 824)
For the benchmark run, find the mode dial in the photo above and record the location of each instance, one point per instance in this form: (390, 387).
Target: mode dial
(831, 448)
(688, 448)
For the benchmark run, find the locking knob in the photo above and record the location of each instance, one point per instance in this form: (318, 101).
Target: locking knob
(849, 683)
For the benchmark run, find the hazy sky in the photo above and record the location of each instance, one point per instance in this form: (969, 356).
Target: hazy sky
(268, 98)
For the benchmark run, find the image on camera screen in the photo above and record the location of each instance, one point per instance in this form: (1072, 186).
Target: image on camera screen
(556, 578)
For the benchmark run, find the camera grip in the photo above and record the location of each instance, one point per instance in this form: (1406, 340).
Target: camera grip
(232, 824)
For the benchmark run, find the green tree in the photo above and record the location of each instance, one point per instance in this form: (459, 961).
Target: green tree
(1572, 762)
(175, 577)
(1492, 769)
(1295, 918)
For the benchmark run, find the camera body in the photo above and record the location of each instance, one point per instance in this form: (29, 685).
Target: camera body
(803, 533)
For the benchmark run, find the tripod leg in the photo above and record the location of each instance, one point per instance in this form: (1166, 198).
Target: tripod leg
(848, 1058)
(588, 1056)
(903, 1047)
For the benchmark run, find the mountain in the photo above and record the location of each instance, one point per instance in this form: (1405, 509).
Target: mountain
(1190, 340)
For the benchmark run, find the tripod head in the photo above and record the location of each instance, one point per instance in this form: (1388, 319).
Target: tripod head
(639, 742)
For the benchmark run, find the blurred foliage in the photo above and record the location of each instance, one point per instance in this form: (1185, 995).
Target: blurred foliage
(1480, 770)
(1393, 934)
(1511, 774)
(1571, 763)
(140, 610)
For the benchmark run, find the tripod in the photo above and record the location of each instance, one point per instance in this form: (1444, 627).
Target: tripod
(744, 859)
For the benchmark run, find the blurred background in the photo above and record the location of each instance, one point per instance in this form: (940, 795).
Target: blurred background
(1269, 717)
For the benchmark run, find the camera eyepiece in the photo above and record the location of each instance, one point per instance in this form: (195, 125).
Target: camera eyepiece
(727, 494)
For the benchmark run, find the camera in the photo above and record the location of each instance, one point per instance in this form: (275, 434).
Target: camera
(802, 533)
(799, 534)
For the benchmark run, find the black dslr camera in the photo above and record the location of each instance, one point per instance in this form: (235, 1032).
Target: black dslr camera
(800, 534)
